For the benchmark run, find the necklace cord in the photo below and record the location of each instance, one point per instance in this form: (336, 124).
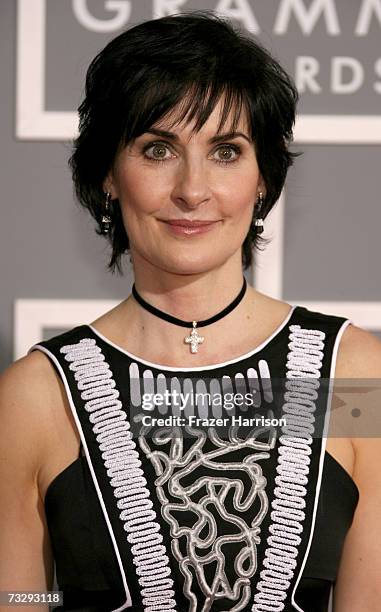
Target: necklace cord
(167, 317)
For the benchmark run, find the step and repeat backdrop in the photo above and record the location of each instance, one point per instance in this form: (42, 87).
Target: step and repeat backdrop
(325, 248)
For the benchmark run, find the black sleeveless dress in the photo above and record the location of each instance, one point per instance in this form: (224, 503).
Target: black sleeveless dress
(203, 488)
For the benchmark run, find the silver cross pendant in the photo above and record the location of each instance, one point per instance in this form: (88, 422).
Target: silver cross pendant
(194, 339)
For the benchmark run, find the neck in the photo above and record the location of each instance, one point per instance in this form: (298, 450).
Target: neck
(188, 297)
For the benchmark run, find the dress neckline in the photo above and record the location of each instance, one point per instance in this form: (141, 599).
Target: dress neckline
(213, 366)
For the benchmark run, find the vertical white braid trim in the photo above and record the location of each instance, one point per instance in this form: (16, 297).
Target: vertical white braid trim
(112, 430)
(304, 361)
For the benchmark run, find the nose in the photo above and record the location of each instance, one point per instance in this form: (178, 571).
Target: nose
(191, 188)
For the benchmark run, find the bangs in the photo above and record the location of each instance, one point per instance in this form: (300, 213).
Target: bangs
(189, 103)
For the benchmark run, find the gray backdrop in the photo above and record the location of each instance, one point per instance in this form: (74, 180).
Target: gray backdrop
(332, 221)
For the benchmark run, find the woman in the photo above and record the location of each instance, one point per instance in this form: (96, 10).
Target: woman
(182, 153)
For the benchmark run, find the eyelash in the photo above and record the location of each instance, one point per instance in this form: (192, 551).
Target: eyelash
(233, 147)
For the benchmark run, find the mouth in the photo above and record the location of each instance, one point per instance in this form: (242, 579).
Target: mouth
(190, 223)
(189, 228)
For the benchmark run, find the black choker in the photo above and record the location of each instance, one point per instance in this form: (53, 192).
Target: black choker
(193, 339)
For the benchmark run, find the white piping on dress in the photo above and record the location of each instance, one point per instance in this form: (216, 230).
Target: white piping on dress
(112, 430)
(128, 602)
(322, 454)
(303, 371)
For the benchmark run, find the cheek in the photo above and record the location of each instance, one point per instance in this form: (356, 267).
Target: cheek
(240, 203)
(240, 186)
(137, 194)
(245, 215)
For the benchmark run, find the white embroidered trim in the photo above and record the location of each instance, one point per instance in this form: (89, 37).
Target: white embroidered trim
(121, 460)
(304, 362)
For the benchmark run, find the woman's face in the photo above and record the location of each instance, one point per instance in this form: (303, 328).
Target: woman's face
(169, 175)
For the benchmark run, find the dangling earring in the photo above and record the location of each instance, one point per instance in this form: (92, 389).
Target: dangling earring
(259, 221)
(106, 219)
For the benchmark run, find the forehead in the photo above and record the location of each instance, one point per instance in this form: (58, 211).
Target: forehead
(225, 116)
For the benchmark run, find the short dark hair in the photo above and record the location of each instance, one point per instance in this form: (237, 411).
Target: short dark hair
(148, 70)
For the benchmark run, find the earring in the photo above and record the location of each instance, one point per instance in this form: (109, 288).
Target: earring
(259, 221)
(106, 219)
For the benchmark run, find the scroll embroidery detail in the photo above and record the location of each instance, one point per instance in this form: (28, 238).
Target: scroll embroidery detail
(303, 371)
(112, 430)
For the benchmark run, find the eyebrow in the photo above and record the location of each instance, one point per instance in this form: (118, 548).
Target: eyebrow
(213, 140)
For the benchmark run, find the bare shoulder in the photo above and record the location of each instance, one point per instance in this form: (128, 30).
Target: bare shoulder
(360, 363)
(29, 390)
(32, 379)
(359, 397)
(359, 354)
(35, 368)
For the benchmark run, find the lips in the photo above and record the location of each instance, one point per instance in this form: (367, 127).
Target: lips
(187, 229)
(190, 224)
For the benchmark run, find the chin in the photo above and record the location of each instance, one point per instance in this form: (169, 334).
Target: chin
(178, 260)
(190, 268)
(198, 265)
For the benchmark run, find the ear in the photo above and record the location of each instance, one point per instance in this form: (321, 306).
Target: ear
(261, 186)
(109, 186)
